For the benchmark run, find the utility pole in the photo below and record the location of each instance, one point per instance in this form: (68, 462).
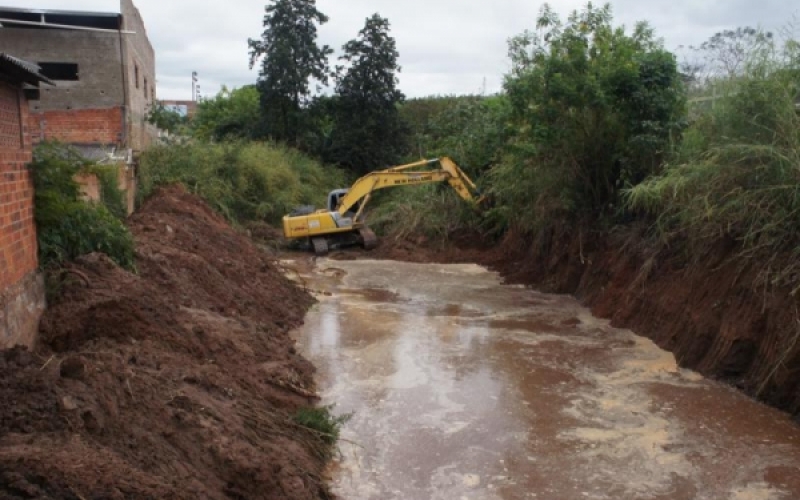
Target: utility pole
(195, 87)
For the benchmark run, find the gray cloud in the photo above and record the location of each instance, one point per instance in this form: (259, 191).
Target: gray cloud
(446, 46)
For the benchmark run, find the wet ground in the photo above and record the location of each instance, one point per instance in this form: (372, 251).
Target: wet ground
(463, 388)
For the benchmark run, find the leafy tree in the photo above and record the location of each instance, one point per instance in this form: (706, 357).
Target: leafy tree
(593, 110)
(232, 114)
(290, 58)
(166, 119)
(368, 131)
(726, 52)
(471, 129)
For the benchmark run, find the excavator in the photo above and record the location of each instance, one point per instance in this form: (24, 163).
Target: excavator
(343, 222)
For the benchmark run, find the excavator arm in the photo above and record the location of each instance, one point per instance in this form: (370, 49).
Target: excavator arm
(448, 172)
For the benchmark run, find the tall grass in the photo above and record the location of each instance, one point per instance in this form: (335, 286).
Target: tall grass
(245, 181)
(434, 211)
(737, 172)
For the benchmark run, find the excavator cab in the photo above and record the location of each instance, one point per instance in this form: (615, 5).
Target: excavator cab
(335, 199)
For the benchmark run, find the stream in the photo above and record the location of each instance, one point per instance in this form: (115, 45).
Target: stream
(461, 387)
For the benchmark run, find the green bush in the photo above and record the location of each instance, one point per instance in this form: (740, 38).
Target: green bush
(472, 130)
(245, 181)
(593, 109)
(112, 197)
(737, 172)
(67, 226)
(322, 421)
(433, 211)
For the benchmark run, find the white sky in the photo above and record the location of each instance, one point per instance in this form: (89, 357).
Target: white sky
(446, 46)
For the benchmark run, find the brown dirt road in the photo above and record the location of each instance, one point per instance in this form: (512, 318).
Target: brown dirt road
(176, 382)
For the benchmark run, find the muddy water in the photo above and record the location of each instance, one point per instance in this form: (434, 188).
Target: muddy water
(462, 388)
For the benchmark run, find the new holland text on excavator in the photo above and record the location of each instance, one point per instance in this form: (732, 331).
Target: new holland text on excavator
(343, 221)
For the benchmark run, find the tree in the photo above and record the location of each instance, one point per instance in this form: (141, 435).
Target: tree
(593, 110)
(166, 119)
(290, 58)
(232, 114)
(368, 132)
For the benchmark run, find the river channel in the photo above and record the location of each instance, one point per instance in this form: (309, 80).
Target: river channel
(461, 387)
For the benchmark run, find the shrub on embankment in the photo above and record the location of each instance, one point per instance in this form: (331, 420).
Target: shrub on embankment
(594, 109)
(244, 181)
(67, 226)
(736, 174)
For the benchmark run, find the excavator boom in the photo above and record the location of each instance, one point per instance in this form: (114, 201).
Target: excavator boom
(339, 221)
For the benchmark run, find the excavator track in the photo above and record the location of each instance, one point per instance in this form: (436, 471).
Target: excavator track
(320, 245)
(368, 238)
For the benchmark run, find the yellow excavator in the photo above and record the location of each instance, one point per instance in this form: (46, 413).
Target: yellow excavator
(342, 222)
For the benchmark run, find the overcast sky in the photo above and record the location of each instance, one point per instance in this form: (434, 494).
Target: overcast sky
(446, 46)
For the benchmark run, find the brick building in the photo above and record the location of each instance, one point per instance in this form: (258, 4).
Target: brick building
(21, 287)
(104, 67)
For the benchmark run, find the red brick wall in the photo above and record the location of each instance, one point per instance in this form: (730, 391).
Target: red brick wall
(17, 229)
(78, 126)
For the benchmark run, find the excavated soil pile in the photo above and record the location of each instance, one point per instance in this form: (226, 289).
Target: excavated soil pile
(177, 382)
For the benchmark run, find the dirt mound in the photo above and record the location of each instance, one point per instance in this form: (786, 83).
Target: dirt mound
(180, 381)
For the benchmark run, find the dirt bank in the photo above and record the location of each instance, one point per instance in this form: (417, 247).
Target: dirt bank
(176, 382)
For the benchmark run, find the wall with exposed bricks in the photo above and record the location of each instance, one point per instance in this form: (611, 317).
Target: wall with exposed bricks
(21, 289)
(85, 126)
(116, 71)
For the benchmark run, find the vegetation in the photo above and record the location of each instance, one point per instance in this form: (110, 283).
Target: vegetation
(230, 115)
(594, 124)
(472, 130)
(322, 421)
(245, 181)
(368, 132)
(434, 212)
(67, 226)
(736, 174)
(290, 57)
(167, 119)
(593, 109)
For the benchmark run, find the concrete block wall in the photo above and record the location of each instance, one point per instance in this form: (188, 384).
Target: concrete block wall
(98, 56)
(139, 60)
(116, 71)
(22, 298)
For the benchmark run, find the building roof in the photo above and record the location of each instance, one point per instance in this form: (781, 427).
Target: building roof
(11, 17)
(20, 71)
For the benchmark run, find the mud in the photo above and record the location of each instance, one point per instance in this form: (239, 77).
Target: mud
(464, 388)
(178, 381)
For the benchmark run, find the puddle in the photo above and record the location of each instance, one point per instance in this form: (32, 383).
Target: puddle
(462, 388)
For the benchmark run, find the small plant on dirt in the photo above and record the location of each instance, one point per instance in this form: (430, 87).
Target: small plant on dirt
(67, 226)
(322, 422)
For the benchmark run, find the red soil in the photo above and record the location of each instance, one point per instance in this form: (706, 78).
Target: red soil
(176, 382)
